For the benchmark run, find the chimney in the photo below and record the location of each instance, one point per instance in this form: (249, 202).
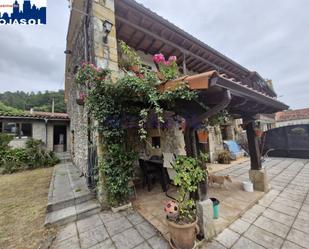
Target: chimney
(53, 106)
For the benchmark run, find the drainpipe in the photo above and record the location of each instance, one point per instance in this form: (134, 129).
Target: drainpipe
(46, 130)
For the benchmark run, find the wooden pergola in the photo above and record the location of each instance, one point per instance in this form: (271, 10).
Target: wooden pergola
(221, 83)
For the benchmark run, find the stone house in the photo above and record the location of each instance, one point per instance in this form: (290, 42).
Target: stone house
(94, 28)
(51, 128)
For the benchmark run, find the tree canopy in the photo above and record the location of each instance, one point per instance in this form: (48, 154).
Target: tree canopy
(40, 101)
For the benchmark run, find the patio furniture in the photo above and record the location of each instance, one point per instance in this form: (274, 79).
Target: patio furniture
(168, 159)
(152, 168)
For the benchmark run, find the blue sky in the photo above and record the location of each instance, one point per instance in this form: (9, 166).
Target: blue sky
(270, 37)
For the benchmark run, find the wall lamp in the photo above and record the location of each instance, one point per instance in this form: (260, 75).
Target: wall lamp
(107, 27)
(68, 51)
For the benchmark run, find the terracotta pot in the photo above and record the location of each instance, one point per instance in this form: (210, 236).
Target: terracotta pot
(202, 136)
(258, 133)
(183, 236)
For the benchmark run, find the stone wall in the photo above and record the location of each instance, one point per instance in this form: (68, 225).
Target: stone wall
(82, 50)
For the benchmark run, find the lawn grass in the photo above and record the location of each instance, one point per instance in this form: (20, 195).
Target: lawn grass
(23, 200)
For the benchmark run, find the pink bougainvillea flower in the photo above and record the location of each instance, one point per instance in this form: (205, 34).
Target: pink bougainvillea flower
(172, 58)
(166, 63)
(158, 58)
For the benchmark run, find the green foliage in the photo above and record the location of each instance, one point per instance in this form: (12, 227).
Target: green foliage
(40, 101)
(4, 109)
(32, 156)
(118, 171)
(4, 141)
(188, 175)
(111, 103)
(219, 118)
(169, 71)
(129, 57)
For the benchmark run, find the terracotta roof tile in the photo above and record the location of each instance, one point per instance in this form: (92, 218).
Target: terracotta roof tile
(292, 115)
(38, 115)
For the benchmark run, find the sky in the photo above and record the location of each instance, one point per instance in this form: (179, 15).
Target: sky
(270, 37)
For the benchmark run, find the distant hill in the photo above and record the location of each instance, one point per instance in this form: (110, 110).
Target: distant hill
(40, 101)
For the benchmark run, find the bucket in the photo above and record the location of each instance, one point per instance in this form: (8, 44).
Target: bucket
(216, 203)
(248, 186)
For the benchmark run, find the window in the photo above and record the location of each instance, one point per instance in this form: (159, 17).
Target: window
(19, 130)
(156, 142)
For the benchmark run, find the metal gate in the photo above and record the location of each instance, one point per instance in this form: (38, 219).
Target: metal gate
(288, 141)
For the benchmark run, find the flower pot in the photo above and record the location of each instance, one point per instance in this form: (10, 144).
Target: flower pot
(182, 236)
(202, 136)
(258, 133)
(121, 208)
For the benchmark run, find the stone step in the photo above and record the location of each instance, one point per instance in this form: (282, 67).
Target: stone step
(72, 213)
(79, 198)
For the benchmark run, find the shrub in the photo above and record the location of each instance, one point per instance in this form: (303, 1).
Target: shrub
(188, 175)
(34, 155)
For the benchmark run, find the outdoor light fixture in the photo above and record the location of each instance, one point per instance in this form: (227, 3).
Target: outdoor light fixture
(107, 27)
(68, 51)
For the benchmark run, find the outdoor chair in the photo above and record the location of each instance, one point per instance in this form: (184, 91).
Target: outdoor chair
(150, 172)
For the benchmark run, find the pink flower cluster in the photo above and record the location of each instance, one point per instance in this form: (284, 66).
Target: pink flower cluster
(160, 59)
(84, 64)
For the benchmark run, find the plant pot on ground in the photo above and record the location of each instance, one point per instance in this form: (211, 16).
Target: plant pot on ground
(224, 157)
(182, 218)
(258, 133)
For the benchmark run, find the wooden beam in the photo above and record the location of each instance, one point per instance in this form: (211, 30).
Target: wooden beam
(253, 145)
(167, 42)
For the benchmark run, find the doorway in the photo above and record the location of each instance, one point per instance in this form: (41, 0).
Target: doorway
(60, 138)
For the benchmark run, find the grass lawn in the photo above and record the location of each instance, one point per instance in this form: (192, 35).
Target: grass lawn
(23, 199)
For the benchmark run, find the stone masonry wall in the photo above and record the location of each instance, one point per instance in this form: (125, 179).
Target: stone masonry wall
(79, 114)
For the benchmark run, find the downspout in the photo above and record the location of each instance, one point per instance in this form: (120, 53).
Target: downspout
(46, 131)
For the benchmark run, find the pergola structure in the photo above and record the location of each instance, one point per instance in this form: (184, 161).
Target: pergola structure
(221, 82)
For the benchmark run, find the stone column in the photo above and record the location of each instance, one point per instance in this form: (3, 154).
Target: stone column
(257, 175)
(105, 55)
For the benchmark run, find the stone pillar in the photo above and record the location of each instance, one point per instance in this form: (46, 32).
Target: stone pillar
(205, 219)
(106, 55)
(259, 179)
(257, 175)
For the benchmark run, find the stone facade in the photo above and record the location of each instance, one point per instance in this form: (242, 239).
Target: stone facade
(80, 42)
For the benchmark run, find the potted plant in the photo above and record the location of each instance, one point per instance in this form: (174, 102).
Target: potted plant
(129, 59)
(202, 136)
(183, 226)
(224, 157)
(258, 132)
(167, 69)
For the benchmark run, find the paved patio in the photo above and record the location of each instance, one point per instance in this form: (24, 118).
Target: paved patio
(281, 217)
(107, 230)
(279, 220)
